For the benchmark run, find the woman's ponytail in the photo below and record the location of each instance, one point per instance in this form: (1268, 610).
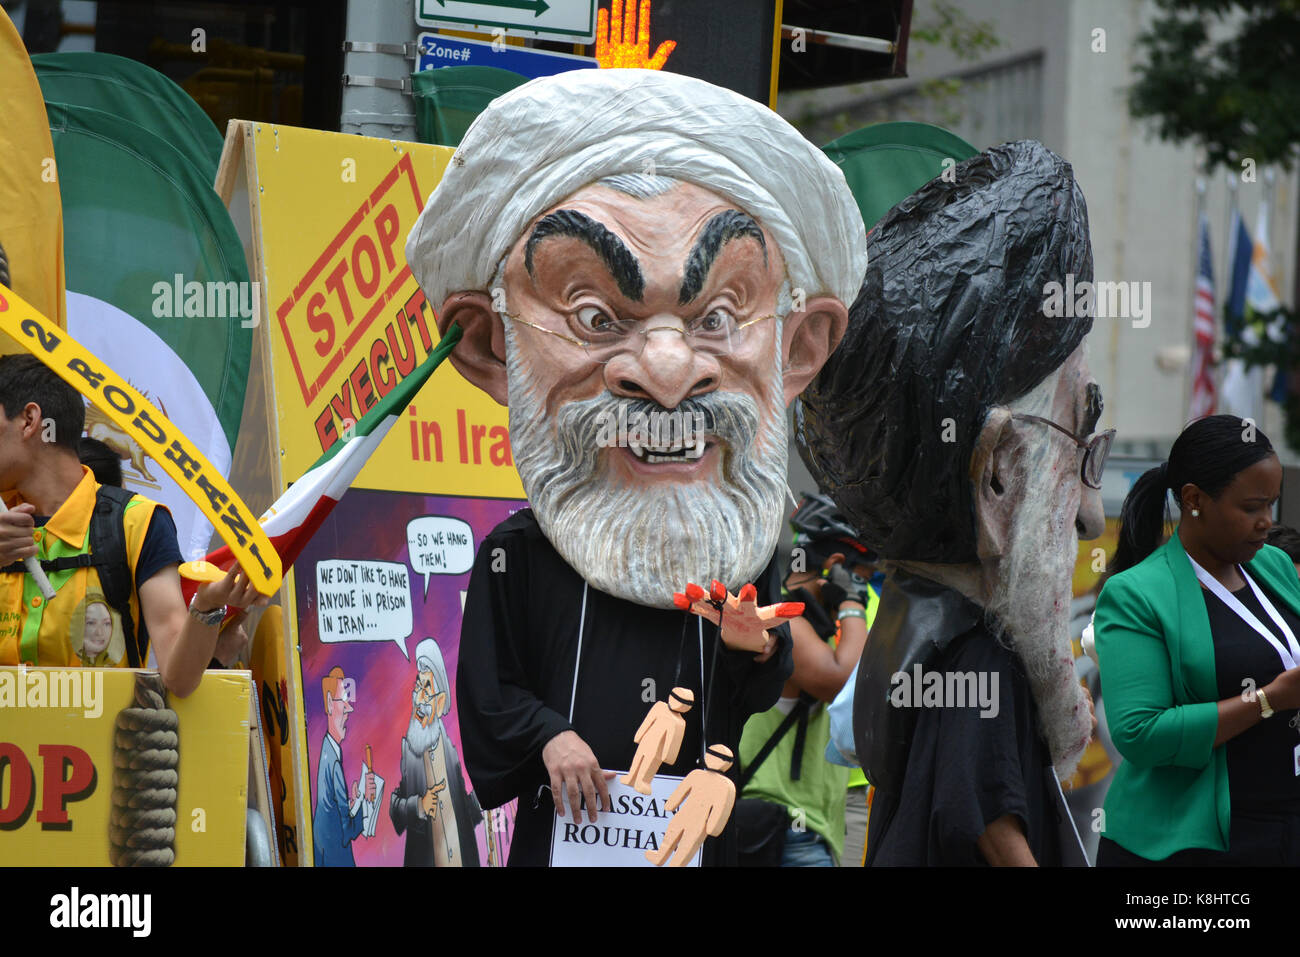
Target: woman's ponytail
(1142, 518)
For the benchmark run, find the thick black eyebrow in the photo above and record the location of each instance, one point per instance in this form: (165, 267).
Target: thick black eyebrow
(622, 265)
(719, 230)
(1092, 409)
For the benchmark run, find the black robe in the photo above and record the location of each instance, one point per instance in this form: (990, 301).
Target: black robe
(404, 808)
(515, 678)
(942, 774)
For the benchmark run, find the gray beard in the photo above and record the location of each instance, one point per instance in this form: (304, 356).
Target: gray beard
(420, 739)
(1031, 603)
(644, 543)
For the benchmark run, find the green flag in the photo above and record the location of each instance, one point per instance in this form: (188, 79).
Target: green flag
(156, 276)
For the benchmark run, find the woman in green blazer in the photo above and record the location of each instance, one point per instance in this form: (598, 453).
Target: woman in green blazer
(1199, 695)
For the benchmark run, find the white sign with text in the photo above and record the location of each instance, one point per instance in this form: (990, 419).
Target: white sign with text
(620, 837)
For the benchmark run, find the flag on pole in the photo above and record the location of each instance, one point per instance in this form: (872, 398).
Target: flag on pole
(1262, 297)
(1240, 251)
(157, 282)
(1203, 391)
(298, 513)
(1242, 390)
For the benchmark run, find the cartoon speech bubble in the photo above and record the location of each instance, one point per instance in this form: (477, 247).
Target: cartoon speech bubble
(439, 546)
(364, 601)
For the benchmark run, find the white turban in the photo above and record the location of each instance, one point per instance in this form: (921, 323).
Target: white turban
(428, 657)
(543, 141)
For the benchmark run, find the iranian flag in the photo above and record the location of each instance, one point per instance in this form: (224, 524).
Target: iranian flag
(298, 513)
(157, 281)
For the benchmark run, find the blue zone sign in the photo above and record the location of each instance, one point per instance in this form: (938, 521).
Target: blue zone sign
(439, 51)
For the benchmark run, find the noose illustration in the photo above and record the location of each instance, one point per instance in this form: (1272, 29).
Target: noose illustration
(145, 778)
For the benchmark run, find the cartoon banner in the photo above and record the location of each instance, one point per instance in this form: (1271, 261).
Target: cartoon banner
(101, 767)
(378, 591)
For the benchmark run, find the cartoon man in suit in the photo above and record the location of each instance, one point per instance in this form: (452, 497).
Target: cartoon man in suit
(334, 826)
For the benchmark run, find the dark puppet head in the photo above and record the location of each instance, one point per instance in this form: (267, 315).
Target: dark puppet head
(948, 324)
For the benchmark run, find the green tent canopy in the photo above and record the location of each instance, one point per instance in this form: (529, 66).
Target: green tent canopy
(448, 99)
(887, 162)
(135, 93)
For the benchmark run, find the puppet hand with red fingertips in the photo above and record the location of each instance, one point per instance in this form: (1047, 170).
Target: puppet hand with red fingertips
(744, 625)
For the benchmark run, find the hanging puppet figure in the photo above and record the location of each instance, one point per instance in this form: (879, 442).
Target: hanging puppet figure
(701, 804)
(646, 269)
(659, 739)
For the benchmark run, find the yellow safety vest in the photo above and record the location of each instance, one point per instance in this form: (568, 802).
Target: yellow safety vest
(77, 626)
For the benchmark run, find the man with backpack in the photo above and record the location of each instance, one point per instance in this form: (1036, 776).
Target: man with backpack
(98, 545)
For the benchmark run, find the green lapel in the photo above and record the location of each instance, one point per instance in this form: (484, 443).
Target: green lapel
(1192, 652)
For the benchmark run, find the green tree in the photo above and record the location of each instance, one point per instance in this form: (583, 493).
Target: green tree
(1225, 75)
(1235, 95)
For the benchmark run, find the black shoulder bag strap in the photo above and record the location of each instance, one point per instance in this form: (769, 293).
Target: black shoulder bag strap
(798, 714)
(108, 555)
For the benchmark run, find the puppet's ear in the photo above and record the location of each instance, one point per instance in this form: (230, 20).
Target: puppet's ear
(480, 356)
(991, 473)
(440, 704)
(808, 339)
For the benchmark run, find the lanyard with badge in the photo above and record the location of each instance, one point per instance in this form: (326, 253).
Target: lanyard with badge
(1289, 653)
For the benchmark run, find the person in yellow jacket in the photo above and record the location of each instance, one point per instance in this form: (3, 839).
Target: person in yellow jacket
(50, 499)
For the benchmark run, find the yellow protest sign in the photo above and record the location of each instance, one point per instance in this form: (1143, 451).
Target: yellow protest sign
(348, 320)
(161, 440)
(102, 768)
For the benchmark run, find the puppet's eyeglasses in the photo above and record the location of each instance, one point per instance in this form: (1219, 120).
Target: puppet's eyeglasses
(1095, 451)
(717, 333)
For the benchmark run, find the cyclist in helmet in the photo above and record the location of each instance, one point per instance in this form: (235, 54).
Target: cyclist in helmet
(793, 807)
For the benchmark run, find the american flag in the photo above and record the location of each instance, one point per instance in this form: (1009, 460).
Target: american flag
(1203, 392)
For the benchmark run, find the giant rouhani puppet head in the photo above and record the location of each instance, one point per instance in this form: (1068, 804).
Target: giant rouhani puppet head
(919, 424)
(647, 269)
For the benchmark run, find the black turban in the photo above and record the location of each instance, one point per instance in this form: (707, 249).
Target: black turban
(948, 324)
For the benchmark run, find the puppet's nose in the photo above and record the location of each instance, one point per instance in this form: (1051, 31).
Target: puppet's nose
(666, 371)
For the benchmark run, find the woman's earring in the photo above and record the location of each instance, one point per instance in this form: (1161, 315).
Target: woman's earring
(1196, 513)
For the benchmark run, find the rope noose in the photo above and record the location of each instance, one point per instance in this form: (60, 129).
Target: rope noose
(145, 778)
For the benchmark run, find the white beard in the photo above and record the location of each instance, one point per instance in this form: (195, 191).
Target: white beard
(1031, 599)
(643, 543)
(420, 738)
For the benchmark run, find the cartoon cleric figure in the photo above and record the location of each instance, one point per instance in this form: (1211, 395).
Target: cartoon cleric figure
(629, 246)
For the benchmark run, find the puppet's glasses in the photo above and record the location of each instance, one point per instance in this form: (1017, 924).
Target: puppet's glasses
(716, 334)
(1095, 452)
